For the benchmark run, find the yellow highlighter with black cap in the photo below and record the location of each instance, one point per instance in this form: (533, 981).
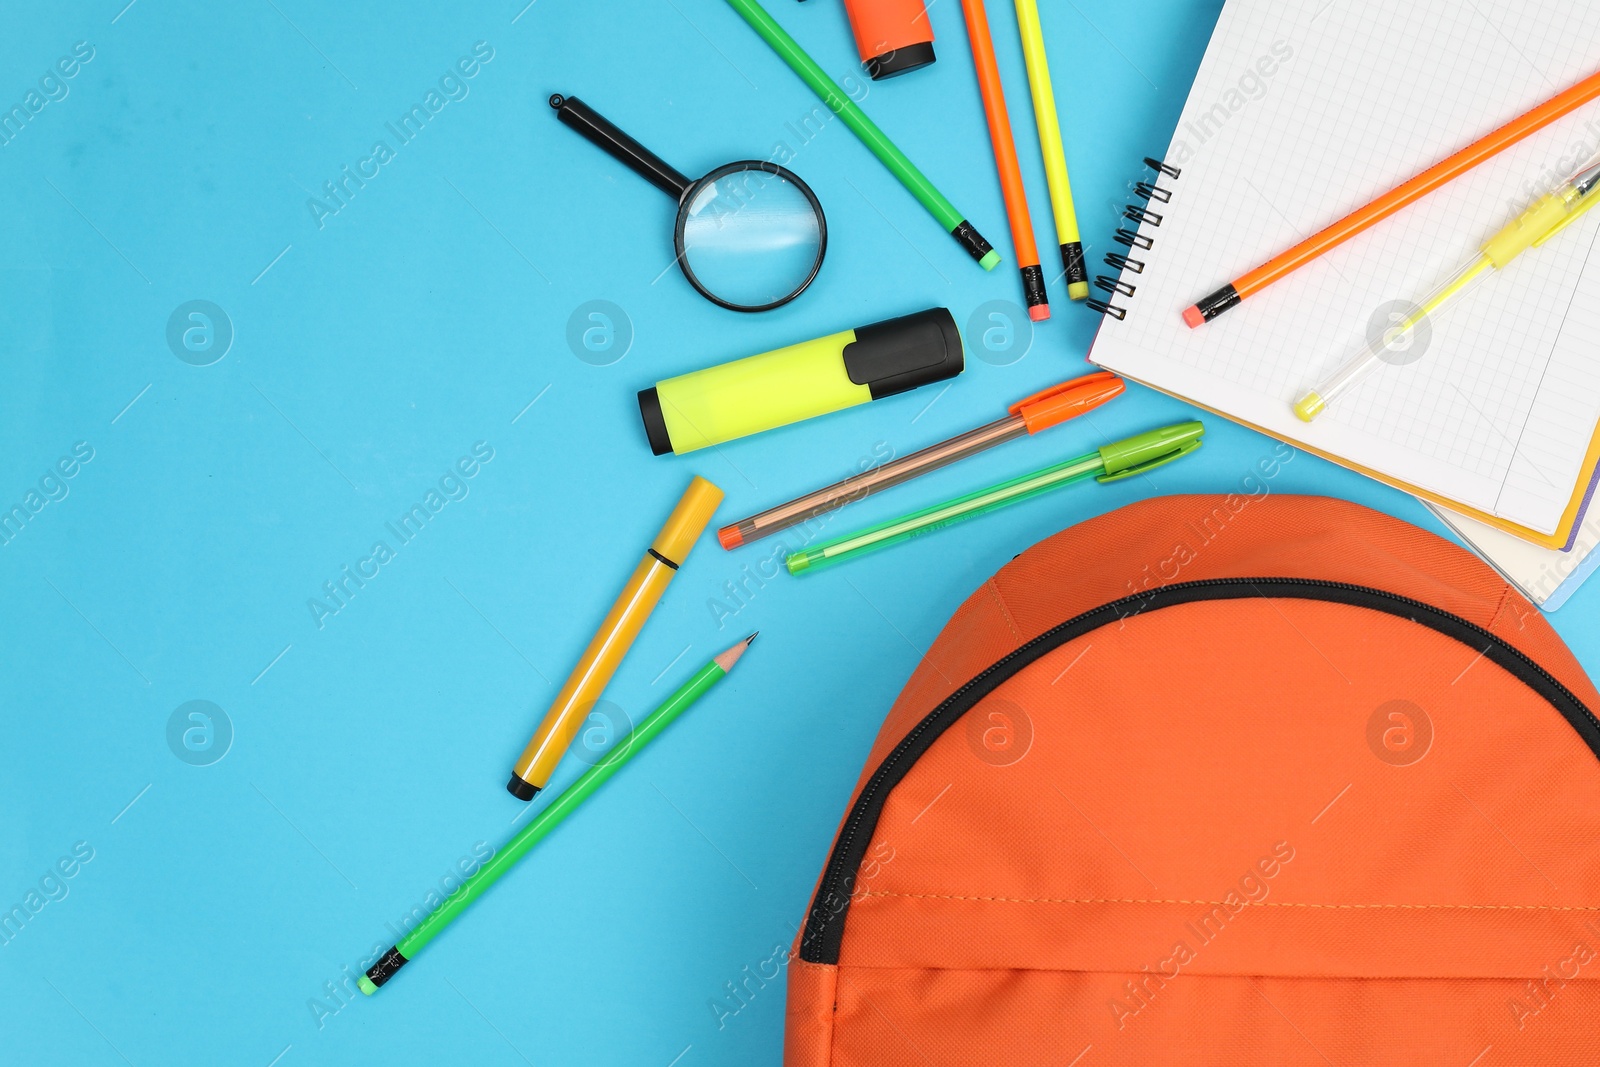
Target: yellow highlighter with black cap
(801, 381)
(1540, 223)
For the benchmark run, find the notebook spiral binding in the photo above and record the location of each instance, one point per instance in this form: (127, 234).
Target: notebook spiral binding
(1139, 214)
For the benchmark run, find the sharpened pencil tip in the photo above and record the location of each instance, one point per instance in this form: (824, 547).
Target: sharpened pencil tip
(727, 659)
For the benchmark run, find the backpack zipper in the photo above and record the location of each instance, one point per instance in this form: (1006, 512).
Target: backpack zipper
(824, 929)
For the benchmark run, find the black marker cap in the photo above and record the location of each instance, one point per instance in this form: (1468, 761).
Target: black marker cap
(900, 60)
(897, 355)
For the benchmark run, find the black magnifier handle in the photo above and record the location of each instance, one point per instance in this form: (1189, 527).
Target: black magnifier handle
(597, 128)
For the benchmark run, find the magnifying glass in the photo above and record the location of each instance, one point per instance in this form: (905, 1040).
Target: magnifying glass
(749, 236)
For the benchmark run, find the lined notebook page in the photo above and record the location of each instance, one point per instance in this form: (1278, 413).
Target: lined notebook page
(1302, 112)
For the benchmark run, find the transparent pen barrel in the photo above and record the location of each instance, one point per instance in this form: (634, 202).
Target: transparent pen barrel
(939, 516)
(1401, 337)
(878, 479)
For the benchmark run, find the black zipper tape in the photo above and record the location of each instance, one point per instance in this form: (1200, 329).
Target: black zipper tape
(825, 923)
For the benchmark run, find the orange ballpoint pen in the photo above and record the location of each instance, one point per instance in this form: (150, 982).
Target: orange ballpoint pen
(1040, 411)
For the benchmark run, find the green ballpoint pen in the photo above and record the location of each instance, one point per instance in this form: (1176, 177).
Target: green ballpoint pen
(558, 809)
(1109, 463)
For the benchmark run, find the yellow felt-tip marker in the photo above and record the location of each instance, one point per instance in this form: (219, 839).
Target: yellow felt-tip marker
(611, 642)
(1055, 156)
(1540, 223)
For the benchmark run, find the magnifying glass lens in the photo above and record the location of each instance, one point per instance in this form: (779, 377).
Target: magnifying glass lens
(751, 238)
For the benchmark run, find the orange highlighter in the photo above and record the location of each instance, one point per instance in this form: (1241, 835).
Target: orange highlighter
(1030, 415)
(622, 624)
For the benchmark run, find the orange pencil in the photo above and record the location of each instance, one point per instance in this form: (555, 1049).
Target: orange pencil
(1408, 192)
(1005, 159)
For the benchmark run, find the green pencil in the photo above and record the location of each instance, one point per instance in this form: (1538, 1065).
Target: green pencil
(407, 947)
(887, 151)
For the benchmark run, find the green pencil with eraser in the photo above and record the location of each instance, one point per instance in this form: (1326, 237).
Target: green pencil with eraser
(683, 698)
(887, 151)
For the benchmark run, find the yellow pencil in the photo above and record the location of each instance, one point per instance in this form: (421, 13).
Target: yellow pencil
(1055, 157)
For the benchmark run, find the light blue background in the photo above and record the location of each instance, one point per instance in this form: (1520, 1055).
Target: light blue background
(370, 353)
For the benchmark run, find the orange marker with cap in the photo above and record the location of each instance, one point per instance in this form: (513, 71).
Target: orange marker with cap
(622, 624)
(1040, 411)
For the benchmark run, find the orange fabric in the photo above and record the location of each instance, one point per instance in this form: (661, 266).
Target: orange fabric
(1191, 836)
(808, 1022)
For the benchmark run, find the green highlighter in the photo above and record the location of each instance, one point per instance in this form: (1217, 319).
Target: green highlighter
(1109, 463)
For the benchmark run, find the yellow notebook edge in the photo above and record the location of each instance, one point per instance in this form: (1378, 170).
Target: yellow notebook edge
(1557, 540)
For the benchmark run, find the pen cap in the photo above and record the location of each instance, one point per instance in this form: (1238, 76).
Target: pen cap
(1145, 451)
(1066, 401)
(687, 521)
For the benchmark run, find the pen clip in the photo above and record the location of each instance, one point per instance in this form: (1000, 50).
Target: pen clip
(1149, 464)
(1067, 400)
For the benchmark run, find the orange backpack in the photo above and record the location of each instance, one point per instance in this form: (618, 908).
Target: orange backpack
(1214, 781)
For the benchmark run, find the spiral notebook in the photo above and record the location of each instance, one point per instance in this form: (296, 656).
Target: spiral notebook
(1302, 112)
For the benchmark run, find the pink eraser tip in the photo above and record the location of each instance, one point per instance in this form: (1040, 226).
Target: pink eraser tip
(1192, 316)
(1039, 312)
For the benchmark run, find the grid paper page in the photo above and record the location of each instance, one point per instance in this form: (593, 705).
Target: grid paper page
(1303, 112)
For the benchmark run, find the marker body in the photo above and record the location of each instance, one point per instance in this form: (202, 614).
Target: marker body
(611, 642)
(894, 37)
(598, 663)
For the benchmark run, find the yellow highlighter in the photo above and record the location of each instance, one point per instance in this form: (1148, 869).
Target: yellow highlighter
(1055, 157)
(732, 400)
(1541, 222)
(622, 624)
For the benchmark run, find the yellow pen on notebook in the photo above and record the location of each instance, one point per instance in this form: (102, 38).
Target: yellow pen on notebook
(1544, 220)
